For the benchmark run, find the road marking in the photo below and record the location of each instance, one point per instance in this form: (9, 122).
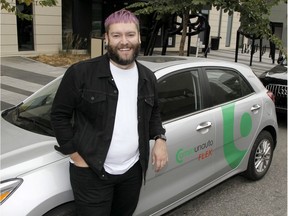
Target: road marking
(28, 86)
(11, 97)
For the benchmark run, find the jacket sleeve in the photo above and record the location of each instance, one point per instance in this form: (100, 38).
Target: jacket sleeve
(65, 102)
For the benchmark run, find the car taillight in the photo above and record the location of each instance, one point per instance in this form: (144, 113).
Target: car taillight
(271, 95)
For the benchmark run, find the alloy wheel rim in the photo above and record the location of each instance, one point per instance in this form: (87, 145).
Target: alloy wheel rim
(262, 156)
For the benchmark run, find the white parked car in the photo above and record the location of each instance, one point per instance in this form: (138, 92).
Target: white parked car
(219, 118)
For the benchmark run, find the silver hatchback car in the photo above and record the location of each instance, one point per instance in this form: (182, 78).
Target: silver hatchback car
(219, 118)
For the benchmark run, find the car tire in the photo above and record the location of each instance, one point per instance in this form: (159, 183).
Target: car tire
(260, 157)
(67, 209)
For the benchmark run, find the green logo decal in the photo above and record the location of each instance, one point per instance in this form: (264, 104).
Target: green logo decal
(232, 154)
(245, 125)
(182, 154)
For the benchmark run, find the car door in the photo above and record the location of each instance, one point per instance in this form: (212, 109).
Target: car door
(238, 111)
(190, 135)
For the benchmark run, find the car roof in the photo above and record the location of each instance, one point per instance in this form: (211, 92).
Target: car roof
(156, 63)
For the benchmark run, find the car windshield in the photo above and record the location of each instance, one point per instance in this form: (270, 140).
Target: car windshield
(34, 113)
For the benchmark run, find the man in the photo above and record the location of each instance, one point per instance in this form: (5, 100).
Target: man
(104, 114)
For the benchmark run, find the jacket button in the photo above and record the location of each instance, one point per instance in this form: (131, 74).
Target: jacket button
(92, 98)
(115, 91)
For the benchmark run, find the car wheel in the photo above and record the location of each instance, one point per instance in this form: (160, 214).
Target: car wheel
(260, 157)
(67, 209)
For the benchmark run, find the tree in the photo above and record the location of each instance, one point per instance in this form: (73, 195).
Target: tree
(254, 14)
(11, 8)
(182, 8)
(254, 17)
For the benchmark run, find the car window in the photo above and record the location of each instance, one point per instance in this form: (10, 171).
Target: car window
(226, 85)
(179, 94)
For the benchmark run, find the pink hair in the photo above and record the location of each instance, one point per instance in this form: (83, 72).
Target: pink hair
(121, 16)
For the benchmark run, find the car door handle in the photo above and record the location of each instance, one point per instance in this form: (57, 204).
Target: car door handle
(255, 107)
(204, 125)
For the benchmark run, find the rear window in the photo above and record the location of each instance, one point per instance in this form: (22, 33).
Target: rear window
(226, 85)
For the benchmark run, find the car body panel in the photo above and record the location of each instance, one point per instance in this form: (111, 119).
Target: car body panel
(205, 147)
(34, 160)
(25, 154)
(42, 189)
(183, 161)
(182, 176)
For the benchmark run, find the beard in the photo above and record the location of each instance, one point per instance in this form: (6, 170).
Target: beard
(114, 55)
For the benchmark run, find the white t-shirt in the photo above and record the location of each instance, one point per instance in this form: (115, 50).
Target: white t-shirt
(123, 152)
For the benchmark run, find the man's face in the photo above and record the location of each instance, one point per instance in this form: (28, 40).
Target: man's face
(123, 43)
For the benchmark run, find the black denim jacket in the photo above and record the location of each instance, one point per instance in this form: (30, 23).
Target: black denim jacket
(84, 109)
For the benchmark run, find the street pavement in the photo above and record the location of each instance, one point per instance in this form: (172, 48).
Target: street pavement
(21, 76)
(244, 58)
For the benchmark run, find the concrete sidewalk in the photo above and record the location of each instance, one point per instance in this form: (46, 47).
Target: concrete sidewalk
(21, 76)
(243, 58)
(27, 64)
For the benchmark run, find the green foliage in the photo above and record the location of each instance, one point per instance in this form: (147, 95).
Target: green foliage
(11, 8)
(164, 7)
(7, 6)
(254, 14)
(47, 3)
(254, 19)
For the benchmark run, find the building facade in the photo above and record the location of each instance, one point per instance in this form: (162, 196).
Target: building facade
(72, 23)
(41, 35)
(278, 19)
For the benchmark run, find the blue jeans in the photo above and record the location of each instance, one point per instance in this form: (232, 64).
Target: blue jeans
(116, 196)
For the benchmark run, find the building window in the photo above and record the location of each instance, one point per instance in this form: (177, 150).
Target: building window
(25, 28)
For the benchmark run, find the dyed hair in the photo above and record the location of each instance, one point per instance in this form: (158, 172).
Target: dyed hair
(121, 16)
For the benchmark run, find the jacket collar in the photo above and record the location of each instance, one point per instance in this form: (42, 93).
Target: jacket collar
(141, 71)
(106, 72)
(104, 66)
